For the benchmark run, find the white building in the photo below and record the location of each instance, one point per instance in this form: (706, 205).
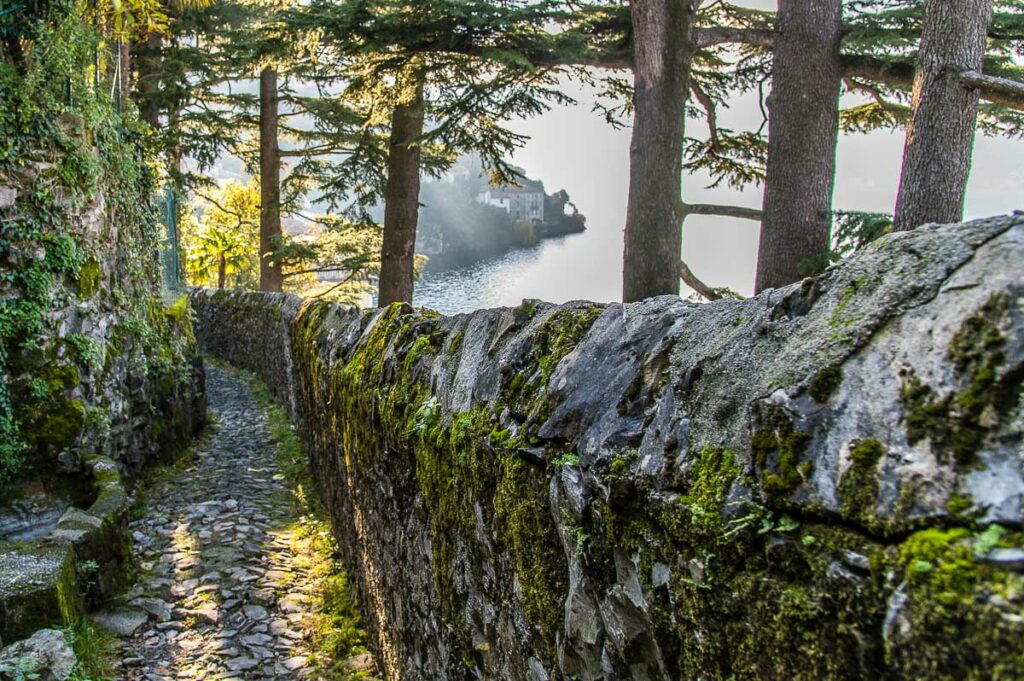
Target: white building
(523, 202)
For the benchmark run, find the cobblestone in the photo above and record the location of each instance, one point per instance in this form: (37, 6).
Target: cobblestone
(220, 589)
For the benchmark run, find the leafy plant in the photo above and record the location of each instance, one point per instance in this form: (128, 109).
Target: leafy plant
(566, 459)
(88, 350)
(988, 540)
(426, 416)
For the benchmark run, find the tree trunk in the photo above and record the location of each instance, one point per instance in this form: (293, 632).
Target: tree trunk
(270, 183)
(14, 53)
(803, 129)
(126, 71)
(940, 135)
(401, 203)
(148, 89)
(663, 52)
(222, 272)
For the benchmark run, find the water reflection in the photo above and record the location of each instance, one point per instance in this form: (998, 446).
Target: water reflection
(583, 266)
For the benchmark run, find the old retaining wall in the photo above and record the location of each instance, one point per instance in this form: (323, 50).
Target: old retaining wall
(823, 481)
(99, 377)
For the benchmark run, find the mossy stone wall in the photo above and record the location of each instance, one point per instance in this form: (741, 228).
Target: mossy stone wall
(95, 366)
(663, 490)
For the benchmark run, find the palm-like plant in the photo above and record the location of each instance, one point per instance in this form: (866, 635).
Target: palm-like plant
(218, 253)
(143, 16)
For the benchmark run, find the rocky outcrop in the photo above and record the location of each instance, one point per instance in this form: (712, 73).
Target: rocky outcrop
(823, 481)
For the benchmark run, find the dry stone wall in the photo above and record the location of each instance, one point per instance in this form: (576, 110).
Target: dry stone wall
(823, 481)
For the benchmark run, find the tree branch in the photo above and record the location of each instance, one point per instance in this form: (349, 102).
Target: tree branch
(316, 270)
(238, 216)
(338, 285)
(722, 211)
(612, 59)
(331, 148)
(709, 109)
(900, 74)
(1001, 91)
(765, 37)
(691, 280)
(718, 35)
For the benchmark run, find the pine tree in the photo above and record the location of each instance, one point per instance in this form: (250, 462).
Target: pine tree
(663, 54)
(401, 197)
(803, 130)
(270, 183)
(471, 83)
(940, 132)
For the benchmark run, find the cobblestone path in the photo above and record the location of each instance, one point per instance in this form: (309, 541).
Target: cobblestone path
(223, 590)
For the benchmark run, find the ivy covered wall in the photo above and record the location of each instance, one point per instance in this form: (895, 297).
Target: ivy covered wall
(93, 361)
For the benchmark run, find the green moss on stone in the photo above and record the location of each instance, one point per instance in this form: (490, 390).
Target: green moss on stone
(777, 448)
(714, 470)
(958, 423)
(456, 344)
(560, 334)
(960, 613)
(825, 383)
(958, 505)
(90, 275)
(858, 487)
(521, 508)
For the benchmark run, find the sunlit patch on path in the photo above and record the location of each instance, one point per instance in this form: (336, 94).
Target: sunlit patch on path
(227, 584)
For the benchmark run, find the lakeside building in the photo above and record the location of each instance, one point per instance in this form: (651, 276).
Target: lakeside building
(524, 201)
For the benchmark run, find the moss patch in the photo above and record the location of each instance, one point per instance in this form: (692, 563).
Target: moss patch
(825, 383)
(777, 448)
(858, 487)
(89, 278)
(958, 423)
(961, 612)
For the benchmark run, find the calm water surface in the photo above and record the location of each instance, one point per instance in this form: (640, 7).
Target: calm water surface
(585, 266)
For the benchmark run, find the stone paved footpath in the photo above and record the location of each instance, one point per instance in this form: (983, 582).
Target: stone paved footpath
(221, 592)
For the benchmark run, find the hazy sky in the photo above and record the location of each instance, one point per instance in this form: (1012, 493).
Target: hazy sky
(572, 147)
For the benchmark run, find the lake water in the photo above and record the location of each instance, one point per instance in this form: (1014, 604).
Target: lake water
(586, 266)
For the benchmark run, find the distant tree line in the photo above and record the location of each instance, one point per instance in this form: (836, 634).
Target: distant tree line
(360, 98)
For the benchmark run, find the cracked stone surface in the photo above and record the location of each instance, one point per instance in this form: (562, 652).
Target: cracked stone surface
(220, 591)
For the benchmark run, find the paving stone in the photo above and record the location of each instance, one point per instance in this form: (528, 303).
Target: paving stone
(216, 555)
(122, 621)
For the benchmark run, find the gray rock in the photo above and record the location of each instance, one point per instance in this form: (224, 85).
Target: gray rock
(241, 664)
(120, 620)
(1008, 558)
(45, 656)
(255, 612)
(156, 607)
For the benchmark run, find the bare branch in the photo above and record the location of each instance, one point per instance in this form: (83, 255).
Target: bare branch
(709, 109)
(691, 280)
(338, 285)
(719, 35)
(239, 218)
(722, 211)
(332, 148)
(900, 74)
(1001, 91)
